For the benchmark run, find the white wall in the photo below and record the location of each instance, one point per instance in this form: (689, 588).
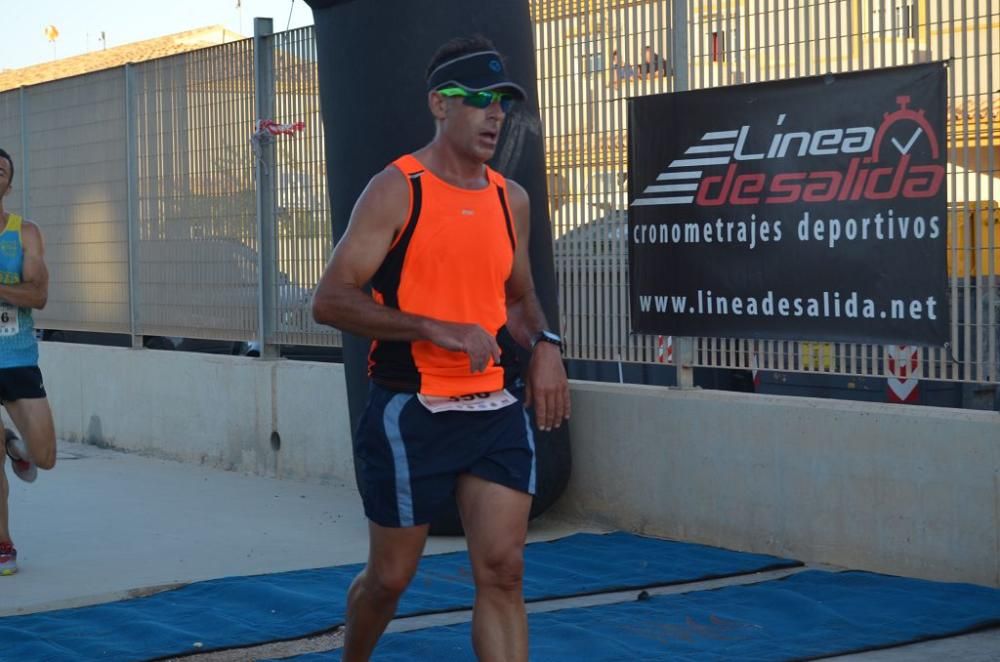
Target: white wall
(214, 410)
(900, 489)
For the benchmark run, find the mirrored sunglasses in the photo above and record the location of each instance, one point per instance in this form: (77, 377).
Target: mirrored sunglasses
(481, 99)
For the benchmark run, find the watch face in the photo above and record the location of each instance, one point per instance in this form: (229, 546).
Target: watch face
(551, 337)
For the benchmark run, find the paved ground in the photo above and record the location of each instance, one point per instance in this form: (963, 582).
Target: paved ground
(106, 525)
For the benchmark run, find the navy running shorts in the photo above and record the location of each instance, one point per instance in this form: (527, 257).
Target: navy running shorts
(21, 383)
(408, 459)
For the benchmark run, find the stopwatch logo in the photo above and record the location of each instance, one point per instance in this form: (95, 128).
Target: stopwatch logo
(905, 115)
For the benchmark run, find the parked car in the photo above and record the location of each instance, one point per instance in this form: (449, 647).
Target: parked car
(298, 352)
(592, 265)
(149, 342)
(198, 285)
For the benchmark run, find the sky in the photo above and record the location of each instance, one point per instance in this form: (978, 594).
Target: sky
(80, 24)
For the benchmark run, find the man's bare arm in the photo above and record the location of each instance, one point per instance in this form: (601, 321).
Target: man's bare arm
(33, 290)
(547, 386)
(525, 317)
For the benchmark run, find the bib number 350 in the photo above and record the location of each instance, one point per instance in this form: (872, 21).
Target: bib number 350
(469, 402)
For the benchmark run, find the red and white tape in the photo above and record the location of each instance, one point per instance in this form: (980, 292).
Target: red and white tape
(276, 128)
(665, 349)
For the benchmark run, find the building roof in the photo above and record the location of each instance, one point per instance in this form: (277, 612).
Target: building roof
(981, 108)
(139, 51)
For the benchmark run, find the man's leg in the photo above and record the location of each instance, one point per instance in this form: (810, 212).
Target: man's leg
(4, 495)
(33, 419)
(8, 557)
(393, 555)
(495, 519)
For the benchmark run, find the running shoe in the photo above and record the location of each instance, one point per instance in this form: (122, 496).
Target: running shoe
(17, 452)
(8, 559)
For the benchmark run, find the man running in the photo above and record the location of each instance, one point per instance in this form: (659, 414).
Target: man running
(443, 240)
(24, 285)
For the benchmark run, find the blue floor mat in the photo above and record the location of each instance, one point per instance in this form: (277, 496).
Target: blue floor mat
(243, 611)
(804, 616)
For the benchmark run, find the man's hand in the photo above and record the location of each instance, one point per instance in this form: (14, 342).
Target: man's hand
(547, 387)
(469, 338)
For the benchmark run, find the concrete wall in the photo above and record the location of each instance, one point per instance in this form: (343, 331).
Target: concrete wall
(215, 410)
(900, 489)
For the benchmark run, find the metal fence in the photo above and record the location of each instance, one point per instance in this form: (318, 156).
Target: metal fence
(593, 55)
(194, 226)
(303, 229)
(162, 219)
(74, 177)
(143, 179)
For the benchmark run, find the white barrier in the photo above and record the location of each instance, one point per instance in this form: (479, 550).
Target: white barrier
(902, 489)
(221, 411)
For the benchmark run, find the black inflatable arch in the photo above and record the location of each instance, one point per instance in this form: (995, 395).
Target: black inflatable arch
(372, 60)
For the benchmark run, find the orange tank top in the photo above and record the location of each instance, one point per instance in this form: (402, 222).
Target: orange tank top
(450, 261)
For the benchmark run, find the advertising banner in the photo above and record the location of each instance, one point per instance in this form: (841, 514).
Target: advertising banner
(808, 209)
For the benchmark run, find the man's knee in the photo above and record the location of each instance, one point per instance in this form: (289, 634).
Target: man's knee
(42, 449)
(387, 582)
(502, 570)
(46, 459)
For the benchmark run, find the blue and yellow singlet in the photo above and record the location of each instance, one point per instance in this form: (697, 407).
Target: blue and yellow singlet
(18, 346)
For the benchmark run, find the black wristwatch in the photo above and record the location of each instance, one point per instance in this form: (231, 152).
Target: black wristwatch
(547, 336)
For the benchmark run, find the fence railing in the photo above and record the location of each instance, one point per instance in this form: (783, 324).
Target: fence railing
(145, 180)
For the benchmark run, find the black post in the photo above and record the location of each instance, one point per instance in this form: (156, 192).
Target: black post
(372, 60)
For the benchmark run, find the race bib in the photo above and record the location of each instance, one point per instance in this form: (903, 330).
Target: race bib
(471, 402)
(9, 325)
